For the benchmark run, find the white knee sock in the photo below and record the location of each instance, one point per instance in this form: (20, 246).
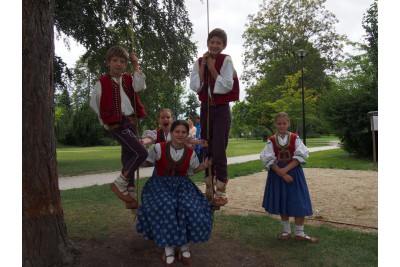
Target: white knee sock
(169, 251)
(185, 250)
(121, 182)
(299, 230)
(131, 192)
(286, 227)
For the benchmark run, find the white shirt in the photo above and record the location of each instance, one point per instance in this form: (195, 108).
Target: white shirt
(155, 155)
(152, 134)
(138, 84)
(224, 82)
(268, 158)
(193, 131)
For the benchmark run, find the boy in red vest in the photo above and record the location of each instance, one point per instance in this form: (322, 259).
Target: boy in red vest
(215, 80)
(117, 104)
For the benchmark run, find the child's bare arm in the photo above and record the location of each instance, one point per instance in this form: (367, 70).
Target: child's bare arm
(147, 164)
(290, 166)
(211, 67)
(202, 67)
(147, 141)
(288, 178)
(278, 170)
(207, 162)
(198, 142)
(135, 62)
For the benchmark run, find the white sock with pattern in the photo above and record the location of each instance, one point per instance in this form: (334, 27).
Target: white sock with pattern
(286, 227)
(299, 230)
(121, 182)
(169, 251)
(185, 250)
(131, 192)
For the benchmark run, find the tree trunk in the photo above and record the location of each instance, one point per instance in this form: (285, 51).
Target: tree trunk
(44, 234)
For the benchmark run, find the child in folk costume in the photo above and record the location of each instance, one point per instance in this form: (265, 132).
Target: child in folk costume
(215, 80)
(174, 212)
(162, 134)
(286, 192)
(117, 104)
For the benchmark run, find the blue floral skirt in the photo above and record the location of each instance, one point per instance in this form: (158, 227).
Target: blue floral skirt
(289, 199)
(174, 212)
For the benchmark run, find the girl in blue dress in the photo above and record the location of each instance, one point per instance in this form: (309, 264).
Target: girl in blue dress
(286, 192)
(174, 212)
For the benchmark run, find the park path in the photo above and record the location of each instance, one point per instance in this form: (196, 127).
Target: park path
(106, 178)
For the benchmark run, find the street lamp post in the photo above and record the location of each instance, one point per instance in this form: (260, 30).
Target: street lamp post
(302, 54)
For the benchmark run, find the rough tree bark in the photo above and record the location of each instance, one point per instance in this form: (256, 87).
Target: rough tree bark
(44, 234)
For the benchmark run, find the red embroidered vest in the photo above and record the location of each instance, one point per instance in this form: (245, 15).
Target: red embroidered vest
(219, 99)
(110, 101)
(284, 153)
(166, 166)
(160, 136)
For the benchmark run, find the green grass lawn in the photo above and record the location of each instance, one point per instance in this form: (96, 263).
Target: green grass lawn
(95, 213)
(74, 161)
(336, 247)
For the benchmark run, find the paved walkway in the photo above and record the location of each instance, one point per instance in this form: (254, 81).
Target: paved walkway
(109, 177)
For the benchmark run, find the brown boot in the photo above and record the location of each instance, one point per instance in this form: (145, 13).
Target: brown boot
(220, 198)
(119, 189)
(134, 204)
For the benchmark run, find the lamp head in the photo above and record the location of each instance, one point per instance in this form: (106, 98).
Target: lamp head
(301, 53)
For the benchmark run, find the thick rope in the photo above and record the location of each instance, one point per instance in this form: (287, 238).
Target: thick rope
(208, 19)
(132, 36)
(207, 78)
(131, 32)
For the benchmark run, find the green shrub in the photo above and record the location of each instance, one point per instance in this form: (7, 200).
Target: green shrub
(346, 111)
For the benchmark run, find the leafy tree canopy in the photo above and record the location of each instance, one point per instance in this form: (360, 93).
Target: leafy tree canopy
(346, 107)
(159, 33)
(273, 38)
(161, 29)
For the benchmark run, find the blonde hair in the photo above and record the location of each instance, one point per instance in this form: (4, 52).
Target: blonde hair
(281, 114)
(117, 51)
(165, 109)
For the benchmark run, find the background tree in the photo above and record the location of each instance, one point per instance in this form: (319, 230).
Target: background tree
(44, 234)
(291, 102)
(162, 33)
(356, 93)
(85, 130)
(63, 79)
(256, 119)
(63, 116)
(272, 39)
(239, 126)
(192, 105)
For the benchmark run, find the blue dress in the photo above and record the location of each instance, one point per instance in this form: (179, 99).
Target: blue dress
(291, 199)
(174, 212)
(281, 197)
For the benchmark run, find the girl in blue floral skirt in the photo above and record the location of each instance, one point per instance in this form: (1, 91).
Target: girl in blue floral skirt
(174, 212)
(286, 192)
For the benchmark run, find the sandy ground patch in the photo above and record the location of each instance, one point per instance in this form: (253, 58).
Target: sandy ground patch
(340, 198)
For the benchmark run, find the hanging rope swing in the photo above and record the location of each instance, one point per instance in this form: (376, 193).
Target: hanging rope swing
(132, 37)
(207, 80)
